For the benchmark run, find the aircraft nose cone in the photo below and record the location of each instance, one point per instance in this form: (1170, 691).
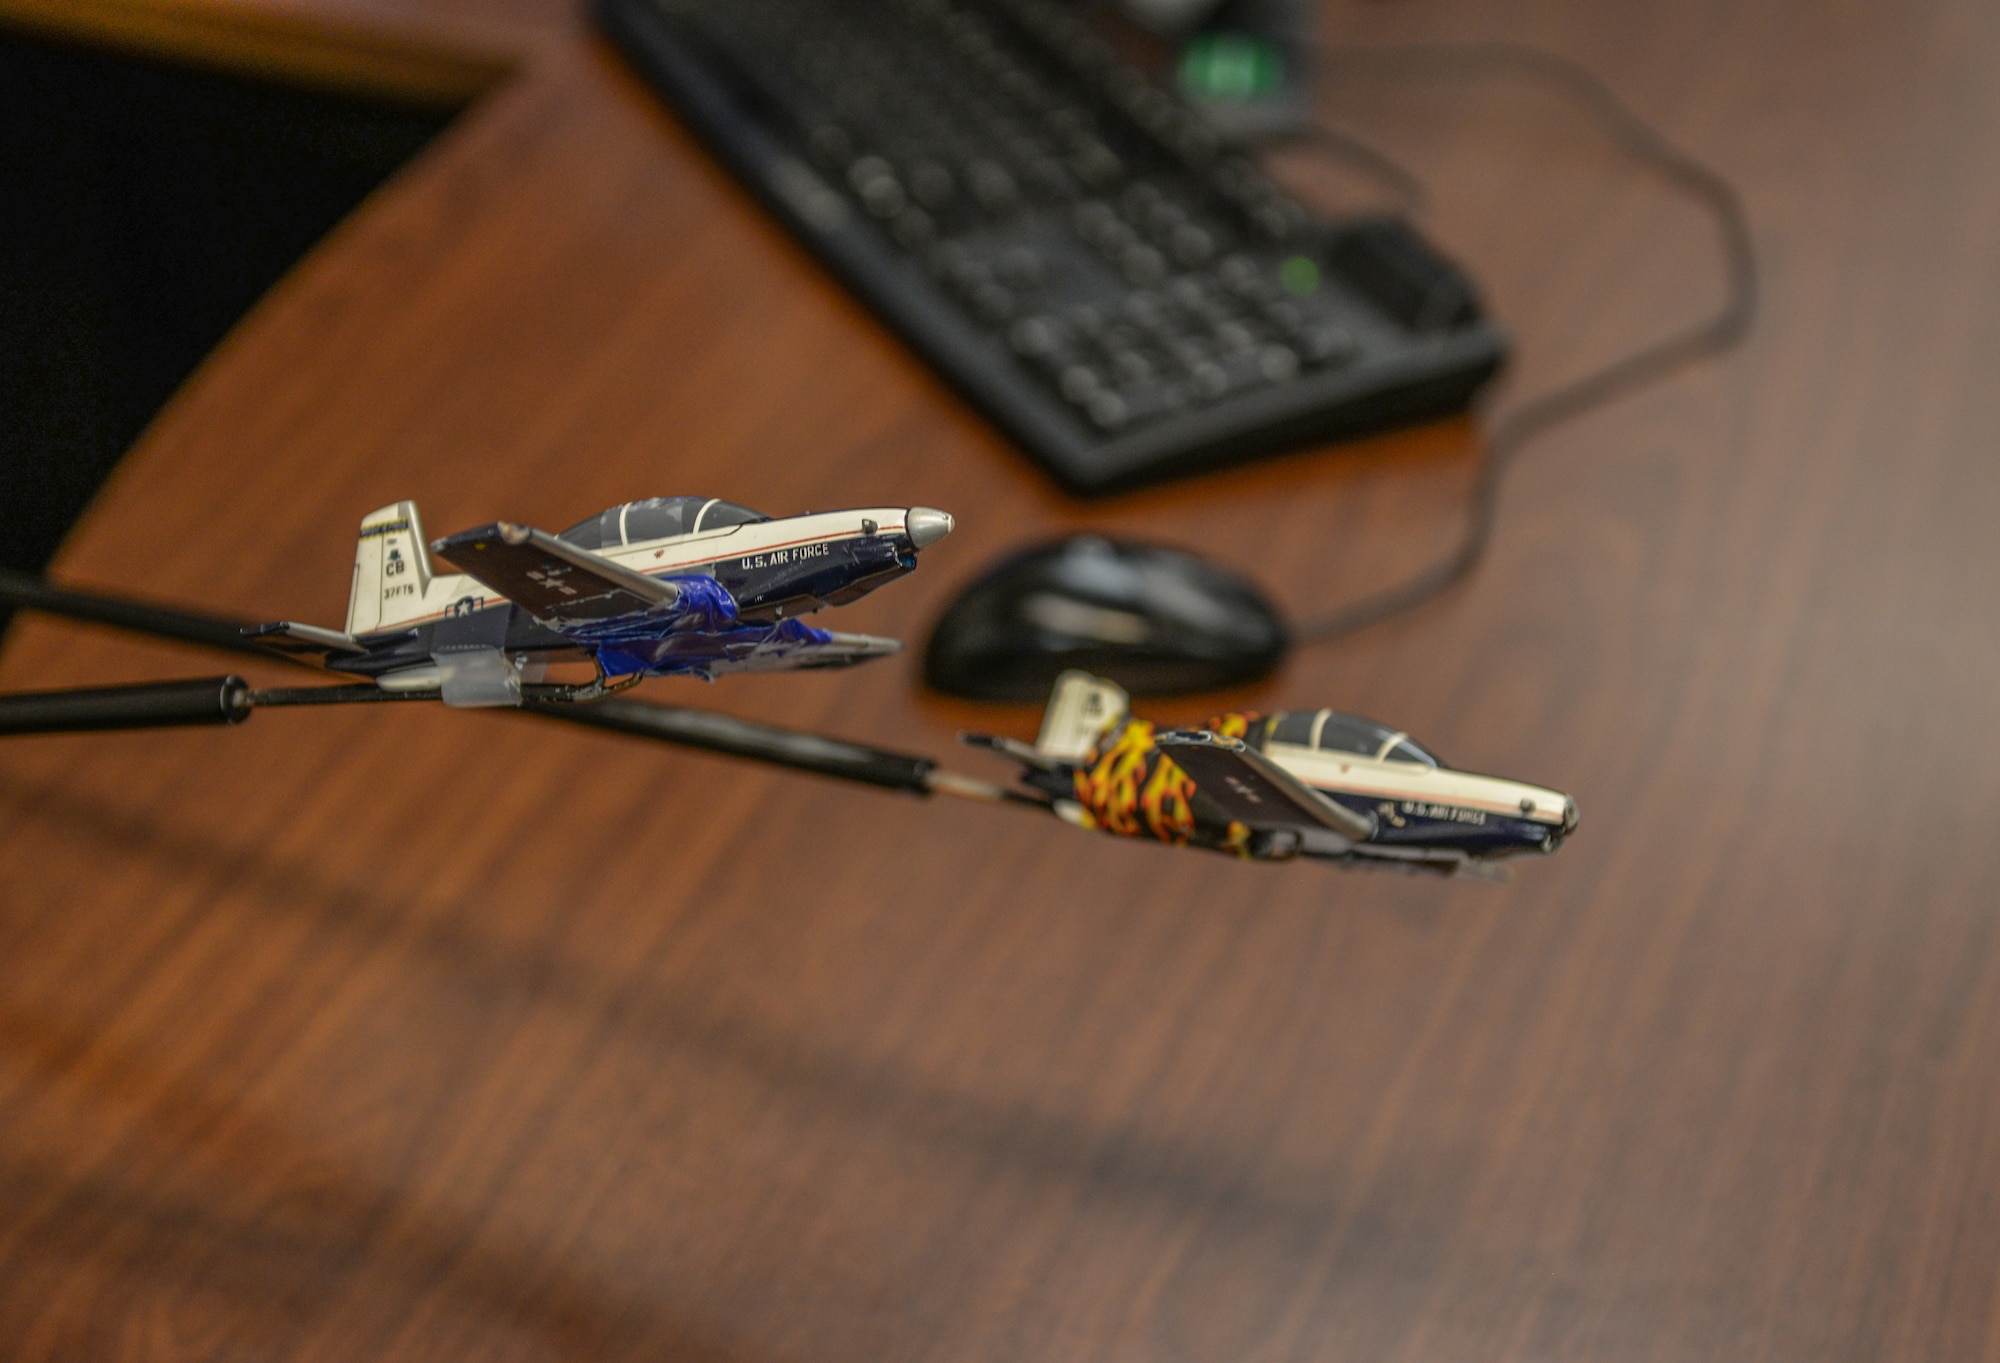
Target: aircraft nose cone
(926, 526)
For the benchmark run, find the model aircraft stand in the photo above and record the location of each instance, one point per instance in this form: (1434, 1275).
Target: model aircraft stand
(230, 700)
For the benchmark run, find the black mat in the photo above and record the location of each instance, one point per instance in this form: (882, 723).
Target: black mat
(143, 209)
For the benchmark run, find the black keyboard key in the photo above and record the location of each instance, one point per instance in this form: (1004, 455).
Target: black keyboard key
(1278, 363)
(1079, 382)
(992, 186)
(1131, 367)
(1022, 267)
(1151, 399)
(1039, 335)
(1234, 338)
(1143, 265)
(995, 302)
(933, 185)
(1328, 343)
(1108, 410)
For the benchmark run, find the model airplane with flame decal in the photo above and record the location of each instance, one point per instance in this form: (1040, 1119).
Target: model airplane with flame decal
(691, 586)
(1272, 787)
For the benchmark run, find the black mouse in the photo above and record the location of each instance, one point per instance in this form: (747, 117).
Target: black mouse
(1152, 619)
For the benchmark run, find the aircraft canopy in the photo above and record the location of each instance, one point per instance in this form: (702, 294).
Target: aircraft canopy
(1332, 731)
(657, 518)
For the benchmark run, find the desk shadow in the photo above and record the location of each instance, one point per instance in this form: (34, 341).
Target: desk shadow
(1122, 1165)
(345, 1251)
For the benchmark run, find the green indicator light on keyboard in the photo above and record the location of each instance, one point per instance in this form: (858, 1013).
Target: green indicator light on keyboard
(1230, 67)
(1300, 276)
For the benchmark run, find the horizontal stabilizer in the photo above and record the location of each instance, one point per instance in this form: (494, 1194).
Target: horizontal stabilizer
(557, 583)
(308, 642)
(782, 655)
(1253, 790)
(1028, 756)
(842, 649)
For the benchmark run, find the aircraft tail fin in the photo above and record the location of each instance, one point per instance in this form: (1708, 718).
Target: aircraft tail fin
(1081, 708)
(392, 570)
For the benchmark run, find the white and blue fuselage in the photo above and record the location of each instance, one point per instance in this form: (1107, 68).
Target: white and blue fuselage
(674, 585)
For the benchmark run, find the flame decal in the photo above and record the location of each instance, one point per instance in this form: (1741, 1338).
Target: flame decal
(1232, 725)
(1129, 788)
(1126, 784)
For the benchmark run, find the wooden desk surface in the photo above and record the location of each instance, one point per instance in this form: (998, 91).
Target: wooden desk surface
(424, 1036)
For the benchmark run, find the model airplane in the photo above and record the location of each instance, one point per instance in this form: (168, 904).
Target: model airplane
(1309, 783)
(673, 585)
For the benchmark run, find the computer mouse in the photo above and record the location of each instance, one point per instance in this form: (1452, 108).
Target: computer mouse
(1155, 620)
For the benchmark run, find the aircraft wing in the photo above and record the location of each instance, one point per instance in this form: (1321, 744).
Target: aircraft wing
(559, 584)
(306, 643)
(1252, 789)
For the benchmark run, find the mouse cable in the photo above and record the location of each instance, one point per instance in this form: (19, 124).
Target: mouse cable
(1344, 145)
(1635, 370)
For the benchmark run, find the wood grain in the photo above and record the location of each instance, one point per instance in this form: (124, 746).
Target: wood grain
(436, 56)
(436, 1036)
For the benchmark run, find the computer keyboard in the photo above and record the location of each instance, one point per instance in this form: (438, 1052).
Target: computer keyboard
(1062, 239)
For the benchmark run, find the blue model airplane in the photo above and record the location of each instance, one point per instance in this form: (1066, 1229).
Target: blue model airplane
(669, 586)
